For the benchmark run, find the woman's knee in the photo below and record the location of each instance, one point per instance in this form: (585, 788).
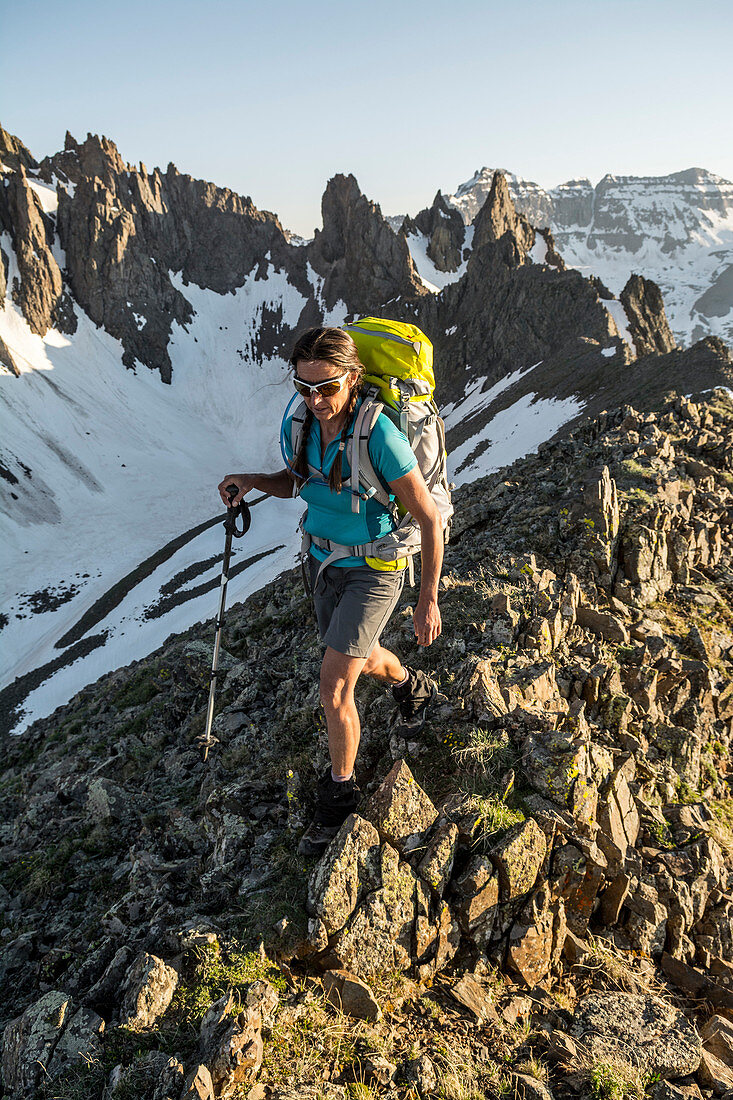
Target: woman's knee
(334, 690)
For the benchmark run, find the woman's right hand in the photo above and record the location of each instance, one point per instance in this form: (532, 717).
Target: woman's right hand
(244, 482)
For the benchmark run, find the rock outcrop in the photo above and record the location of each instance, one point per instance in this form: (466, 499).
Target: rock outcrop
(358, 256)
(642, 301)
(559, 841)
(444, 231)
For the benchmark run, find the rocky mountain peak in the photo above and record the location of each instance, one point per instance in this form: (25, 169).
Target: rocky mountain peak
(499, 216)
(13, 153)
(95, 158)
(444, 230)
(39, 291)
(363, 262)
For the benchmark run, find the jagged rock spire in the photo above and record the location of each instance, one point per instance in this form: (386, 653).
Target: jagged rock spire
(642, 300)
(363, 262)
(498, 216)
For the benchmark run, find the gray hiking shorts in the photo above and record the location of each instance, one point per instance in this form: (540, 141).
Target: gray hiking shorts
(353, 605)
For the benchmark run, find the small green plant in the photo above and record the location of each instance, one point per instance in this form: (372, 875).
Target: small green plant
(218, 970)
(634, 469)
(533, 1067)
(615, 1080)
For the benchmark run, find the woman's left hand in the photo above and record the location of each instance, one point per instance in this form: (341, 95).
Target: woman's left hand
(427, 621)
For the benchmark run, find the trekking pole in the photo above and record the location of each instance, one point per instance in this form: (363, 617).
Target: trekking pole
(230, 526)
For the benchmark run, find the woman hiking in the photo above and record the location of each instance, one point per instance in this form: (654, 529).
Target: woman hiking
(353, 596)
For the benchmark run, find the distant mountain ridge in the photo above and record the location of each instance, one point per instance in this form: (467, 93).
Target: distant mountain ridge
(145, 329)
(675, 229)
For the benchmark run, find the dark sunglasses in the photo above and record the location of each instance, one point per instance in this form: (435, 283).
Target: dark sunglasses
(327, 388)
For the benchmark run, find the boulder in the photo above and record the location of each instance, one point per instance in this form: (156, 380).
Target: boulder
(479, 690)
(530, 1088)
(420, 1072)
(236, 1056)
(198, 1085)
(608, 626)
(518, 858)
(348, 869)
(477, 890)
(639, 1028)
(378, 936)
(80, 1041)
(618, 819)
(351, 995)
(437, 864)
(399, 809)
(148, 990)
(715, 1074)
(717, 1038)
(30, 1040)
(469, 993)
(170, 1080)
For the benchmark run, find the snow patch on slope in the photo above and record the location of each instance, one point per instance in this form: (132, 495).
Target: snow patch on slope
(111, 464)
(511, 434)
(431, 276)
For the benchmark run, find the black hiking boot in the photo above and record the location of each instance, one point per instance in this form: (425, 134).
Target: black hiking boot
(334, 803)
(414, 699)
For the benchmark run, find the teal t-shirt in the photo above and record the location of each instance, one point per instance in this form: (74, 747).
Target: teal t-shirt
(329, 515)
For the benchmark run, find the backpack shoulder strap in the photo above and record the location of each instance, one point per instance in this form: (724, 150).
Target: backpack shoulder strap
(362, 469)
(297, 424)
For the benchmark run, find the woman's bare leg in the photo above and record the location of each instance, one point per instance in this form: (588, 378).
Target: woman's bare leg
(383, 665)
(339, 674)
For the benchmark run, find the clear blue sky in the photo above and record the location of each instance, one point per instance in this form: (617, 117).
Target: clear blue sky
(272, 98)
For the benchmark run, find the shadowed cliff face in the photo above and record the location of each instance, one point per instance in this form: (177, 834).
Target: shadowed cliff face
(445, 232)
(125, 230)
(360, 259)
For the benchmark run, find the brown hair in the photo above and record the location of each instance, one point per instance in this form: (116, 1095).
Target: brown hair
(335, 347)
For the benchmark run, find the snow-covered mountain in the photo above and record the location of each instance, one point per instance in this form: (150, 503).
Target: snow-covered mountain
(676, 230)
(144, 332)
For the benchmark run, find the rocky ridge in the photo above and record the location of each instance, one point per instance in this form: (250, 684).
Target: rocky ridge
(537, 895)
(674, 229)
(130, 241)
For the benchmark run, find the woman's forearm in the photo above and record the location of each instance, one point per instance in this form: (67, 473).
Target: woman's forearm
(275, 485)
(431, 558)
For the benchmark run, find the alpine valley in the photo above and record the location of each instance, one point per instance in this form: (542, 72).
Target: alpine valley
(535, 897)
(144, 336)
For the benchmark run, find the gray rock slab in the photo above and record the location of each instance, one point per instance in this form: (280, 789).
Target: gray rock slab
(639, 1028)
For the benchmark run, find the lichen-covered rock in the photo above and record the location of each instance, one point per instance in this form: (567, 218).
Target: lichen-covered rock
(379, 935)
(477, 891)
(399, 808)
(29, 1042)
(236, 1055)
(606, 624)
(618, 819)
(80, 1042)
(148, 990)
(518, 858)
(347, 870)
(436, 865)
(639, 1028)
(480, 691)
(198, 1085)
